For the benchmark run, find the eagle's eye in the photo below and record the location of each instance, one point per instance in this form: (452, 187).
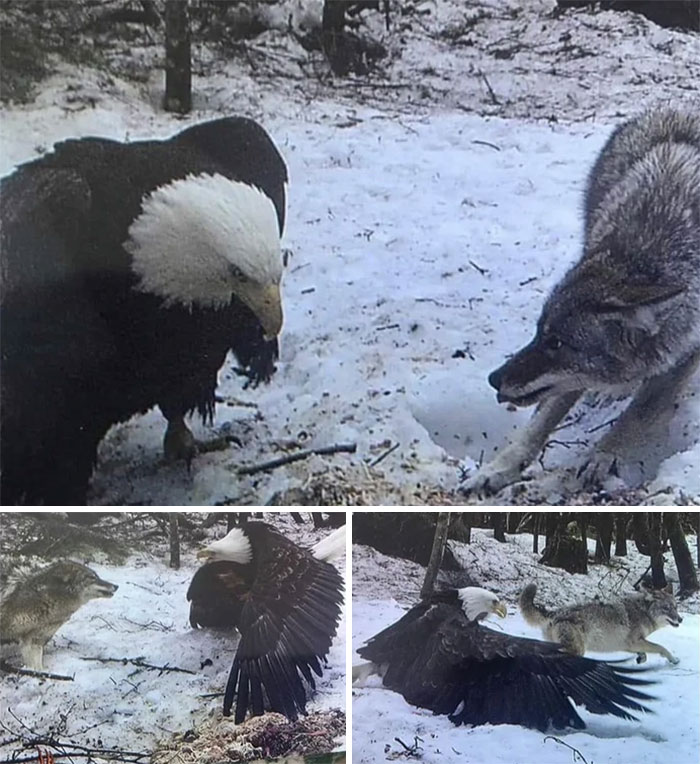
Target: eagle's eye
(238, 274)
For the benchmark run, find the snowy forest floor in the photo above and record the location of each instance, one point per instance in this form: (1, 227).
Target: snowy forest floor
(385, 587)
(432, 205)
(118, 698)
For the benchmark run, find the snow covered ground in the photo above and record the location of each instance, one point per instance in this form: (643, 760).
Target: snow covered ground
(116, 704)
(383, 589)
(424, 240)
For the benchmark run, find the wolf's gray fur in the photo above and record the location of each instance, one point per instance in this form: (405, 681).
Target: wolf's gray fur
(41, 603)
(627, 315)
(622, 624)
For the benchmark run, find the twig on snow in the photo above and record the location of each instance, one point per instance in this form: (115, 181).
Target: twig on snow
(298, 456)
(140, 663)
(578, 756)
(5, 666)
(486, 143)
(491, 93)
(384, 455)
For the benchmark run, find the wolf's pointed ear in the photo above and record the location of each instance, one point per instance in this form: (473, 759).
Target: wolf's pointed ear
(639, 306)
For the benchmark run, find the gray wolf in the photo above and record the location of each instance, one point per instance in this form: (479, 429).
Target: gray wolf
(622, 624)
(626, 318)
(41, 603)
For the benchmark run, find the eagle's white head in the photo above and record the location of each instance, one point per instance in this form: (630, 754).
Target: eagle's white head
(203, 238)
(477, 603)
(233, 547)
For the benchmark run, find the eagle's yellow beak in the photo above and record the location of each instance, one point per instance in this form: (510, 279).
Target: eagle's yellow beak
(500, 609)
(266, 303)
(204, 554)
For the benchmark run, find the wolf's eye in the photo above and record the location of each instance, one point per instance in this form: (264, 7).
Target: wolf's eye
(552, 342)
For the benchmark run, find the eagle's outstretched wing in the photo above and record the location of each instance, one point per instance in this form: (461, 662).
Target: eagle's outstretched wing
(287, 625)
(439, 660)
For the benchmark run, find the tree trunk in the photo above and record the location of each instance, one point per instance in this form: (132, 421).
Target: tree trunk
(333, 36)
(499, 526)
(565, 548)
(512, 521)
(535, 532)
(178, 66)
(174, 540)
(551, 520)
(655, 524)
(582, 521)
(640, 529)
(466, 518)
(604, 522)
(684, 561)
(621, 534)
(439, 541)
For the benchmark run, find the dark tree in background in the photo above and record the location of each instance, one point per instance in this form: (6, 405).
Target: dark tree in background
(174, 540)
(648, 529)
(566, 547)
(687, 577)
(499, 526)
(178, 66)
(604, 522)
(436, 553)
(621, 534)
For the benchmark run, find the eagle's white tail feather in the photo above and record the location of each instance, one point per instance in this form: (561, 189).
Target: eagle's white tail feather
(331, 547)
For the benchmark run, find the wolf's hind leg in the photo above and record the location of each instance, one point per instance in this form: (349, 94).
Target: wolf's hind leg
(570, 637)
(507, 466)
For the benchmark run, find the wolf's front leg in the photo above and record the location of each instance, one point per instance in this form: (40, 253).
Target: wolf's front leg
(507, 466)
(647, 417)
(644, 646)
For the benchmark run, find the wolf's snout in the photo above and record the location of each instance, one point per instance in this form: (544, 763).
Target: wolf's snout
(496, 378)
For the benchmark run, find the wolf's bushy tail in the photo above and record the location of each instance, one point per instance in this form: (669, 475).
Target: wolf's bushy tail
(535, 615)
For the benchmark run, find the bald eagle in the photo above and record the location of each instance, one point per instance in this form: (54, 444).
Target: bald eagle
(439, 657)
(286, 603)
(129, 270)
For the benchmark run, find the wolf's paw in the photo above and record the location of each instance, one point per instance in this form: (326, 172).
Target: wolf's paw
(490, 479)
(672, 659)
(597, 470)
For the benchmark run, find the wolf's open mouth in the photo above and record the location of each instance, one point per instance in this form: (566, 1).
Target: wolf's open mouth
(524, 400)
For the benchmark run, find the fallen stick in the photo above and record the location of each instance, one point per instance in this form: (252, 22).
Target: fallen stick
(5, 666)
(297, 457)
(384, 455)
(140, 663)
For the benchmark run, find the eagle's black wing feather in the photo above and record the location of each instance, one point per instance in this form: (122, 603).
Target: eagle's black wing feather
(287, 625)
(437, 659)
(55, 344)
